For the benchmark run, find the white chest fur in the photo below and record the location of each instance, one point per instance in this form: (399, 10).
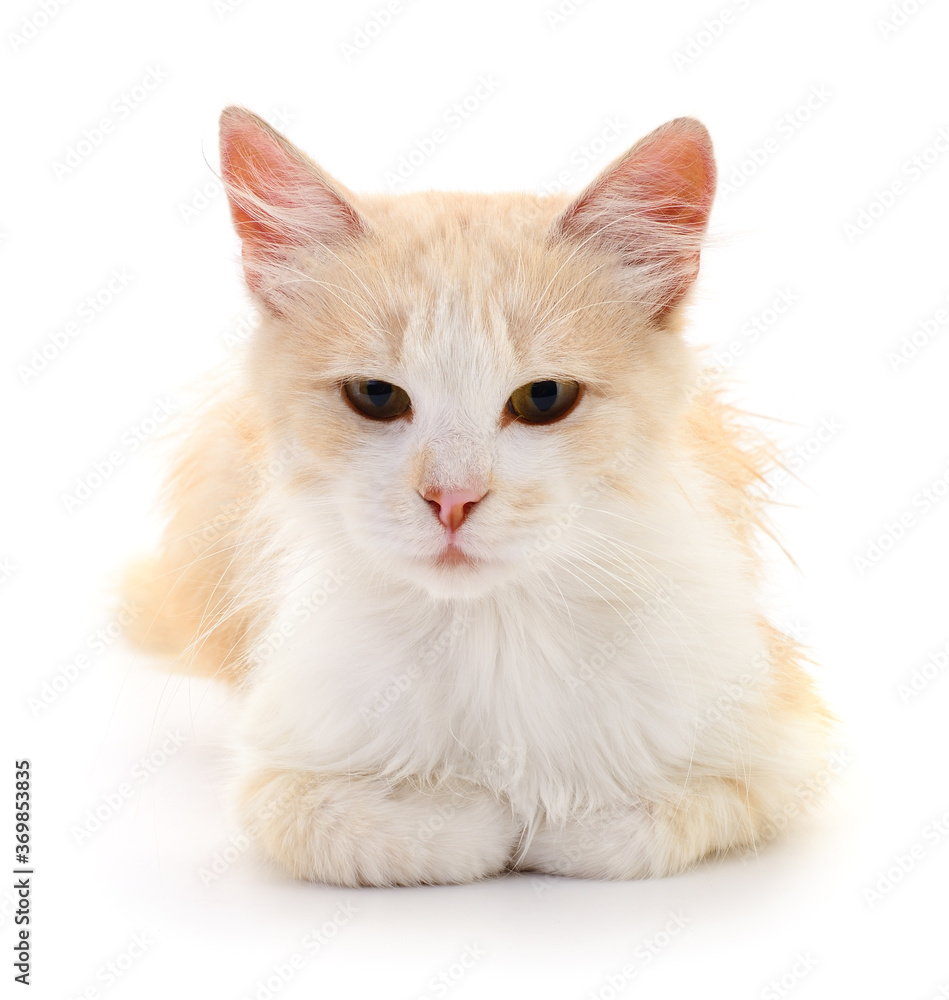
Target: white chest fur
(555, 693)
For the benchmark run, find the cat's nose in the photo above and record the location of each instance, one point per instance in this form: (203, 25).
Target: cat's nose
(452, 506)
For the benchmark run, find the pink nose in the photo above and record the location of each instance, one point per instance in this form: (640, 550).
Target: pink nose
(452, 506)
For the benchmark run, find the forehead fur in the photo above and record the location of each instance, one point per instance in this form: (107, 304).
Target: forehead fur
(463, 280)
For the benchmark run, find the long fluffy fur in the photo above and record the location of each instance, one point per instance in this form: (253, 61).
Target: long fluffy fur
(600, 697)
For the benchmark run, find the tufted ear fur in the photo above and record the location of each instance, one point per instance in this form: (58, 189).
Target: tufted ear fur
(651, 206)
(281, 202)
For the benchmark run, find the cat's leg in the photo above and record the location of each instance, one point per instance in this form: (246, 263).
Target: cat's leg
(362, 830)
(777, 774)
(641, 839)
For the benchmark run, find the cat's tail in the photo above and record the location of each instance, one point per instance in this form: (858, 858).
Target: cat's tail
(185, 615)
(191, 595)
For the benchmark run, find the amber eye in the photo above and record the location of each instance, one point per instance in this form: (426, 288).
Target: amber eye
(543, 402)
(377, 400)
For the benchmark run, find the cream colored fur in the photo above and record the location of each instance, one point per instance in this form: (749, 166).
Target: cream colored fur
(596, 694)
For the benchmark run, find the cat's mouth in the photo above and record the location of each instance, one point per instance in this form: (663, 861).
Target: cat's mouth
(452, 556)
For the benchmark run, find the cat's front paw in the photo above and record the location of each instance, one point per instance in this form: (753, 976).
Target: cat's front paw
(361, 830)
(642, 839)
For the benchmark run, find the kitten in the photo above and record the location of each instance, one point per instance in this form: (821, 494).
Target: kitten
(479, 555)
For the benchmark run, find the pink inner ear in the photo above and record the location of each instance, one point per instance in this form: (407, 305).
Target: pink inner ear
(252, 162)
(652, 206)
(668, 177)
(680, 174)
(279, 200)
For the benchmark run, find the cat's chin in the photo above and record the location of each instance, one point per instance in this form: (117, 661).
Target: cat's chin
(454, 573)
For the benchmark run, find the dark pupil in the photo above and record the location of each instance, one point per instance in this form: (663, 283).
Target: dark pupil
(544, 395)
(379, 393)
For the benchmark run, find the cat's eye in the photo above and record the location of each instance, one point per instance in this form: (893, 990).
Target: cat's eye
(543, 402)
(376, 399)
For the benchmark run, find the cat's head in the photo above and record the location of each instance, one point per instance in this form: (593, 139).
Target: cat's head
(475, 384)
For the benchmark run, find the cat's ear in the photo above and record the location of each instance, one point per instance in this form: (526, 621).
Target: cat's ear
(651, 206)
(281, 202)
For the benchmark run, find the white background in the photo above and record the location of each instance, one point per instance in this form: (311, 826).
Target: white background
(878, 98)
